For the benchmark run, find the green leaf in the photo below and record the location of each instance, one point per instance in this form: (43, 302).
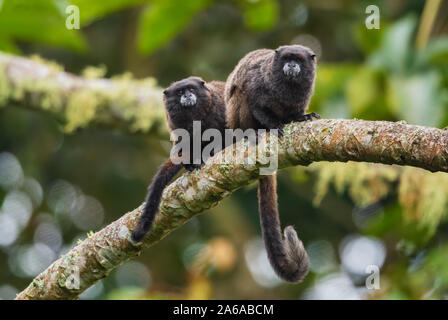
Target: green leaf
(436, 52)
(94, 9)
(395, 52)
(163, 20)
(261, 15)
(369, 40)
(330, 84)
(38, 21)
(7, 45)
(418, 99)
(362, 90)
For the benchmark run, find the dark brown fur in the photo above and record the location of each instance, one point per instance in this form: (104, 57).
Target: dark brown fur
(210, 110)
(260, 95)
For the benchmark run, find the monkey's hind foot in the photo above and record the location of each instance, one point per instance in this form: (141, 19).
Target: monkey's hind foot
(309, 117)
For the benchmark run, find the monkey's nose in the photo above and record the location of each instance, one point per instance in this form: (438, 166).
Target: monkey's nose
(291, 68)
(188, 99)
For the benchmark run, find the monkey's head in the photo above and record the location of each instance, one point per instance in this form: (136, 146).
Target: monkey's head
(294, 63)
(186, 94)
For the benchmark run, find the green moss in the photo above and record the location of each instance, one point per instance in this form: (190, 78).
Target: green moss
(92, 72)
(140, 116)
(225, 168)
(62, 279)
(38, 283)
(423, 195)
(47, 91)
(52, 66)
(366, 183)
(81, 108)
(137, 103)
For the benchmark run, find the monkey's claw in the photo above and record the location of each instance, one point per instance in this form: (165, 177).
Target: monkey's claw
(314, 115)
(309, 116)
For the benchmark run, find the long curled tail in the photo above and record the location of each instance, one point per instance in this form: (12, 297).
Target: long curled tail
(287, 256)
(163, 176)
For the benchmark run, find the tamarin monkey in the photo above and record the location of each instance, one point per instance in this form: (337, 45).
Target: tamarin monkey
(266, 90)
(185, 101)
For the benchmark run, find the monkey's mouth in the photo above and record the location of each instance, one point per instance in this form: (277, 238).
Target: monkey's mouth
(188, 99)
(291, 69)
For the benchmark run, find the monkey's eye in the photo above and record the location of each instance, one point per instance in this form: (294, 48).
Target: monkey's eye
(313, 57)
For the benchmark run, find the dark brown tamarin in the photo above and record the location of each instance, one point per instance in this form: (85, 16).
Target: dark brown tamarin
(185, 101)
(266, 90)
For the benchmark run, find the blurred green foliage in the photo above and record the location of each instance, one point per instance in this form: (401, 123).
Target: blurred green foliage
(36, 21)
(260, 15)
(94, 10)
(159, 22)
(368, 74)
(156, 29)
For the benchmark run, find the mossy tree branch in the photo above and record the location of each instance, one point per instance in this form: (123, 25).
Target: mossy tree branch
(191, 194)
(133, 105)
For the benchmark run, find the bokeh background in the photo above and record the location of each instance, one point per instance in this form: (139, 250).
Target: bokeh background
(57, 187)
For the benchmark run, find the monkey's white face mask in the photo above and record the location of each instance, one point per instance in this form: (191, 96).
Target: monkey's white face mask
(188, 99)
(291, 69)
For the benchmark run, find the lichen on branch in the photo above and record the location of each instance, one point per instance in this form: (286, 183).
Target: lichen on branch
(134, 105)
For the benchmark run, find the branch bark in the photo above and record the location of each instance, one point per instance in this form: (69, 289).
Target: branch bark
(191, 194)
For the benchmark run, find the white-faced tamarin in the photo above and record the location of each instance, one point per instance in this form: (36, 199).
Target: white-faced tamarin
(266, 90)
(185, 101)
